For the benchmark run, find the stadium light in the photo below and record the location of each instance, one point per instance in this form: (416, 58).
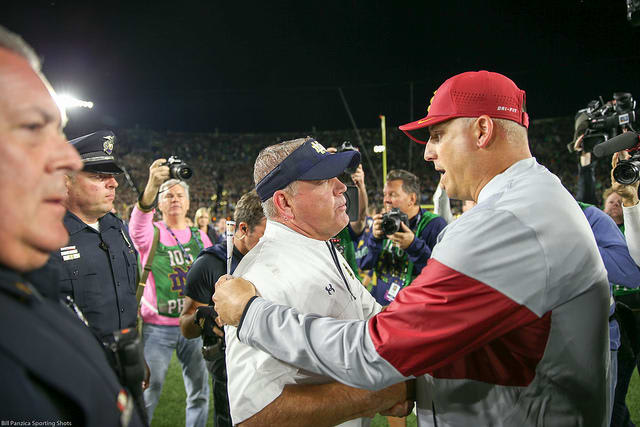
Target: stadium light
(378, 148)
(66, 101)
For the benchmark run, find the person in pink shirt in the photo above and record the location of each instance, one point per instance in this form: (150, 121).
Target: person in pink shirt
(163, 296)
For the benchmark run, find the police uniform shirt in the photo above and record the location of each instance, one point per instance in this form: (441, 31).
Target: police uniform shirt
(289, 268)
(98, 269)
(53, 368)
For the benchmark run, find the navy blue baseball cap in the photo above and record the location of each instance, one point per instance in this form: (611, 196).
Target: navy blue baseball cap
(96, 151)
(310, 161)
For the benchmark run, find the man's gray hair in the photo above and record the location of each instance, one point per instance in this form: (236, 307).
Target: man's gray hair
(13, 42)
(410, 182)
(267, 161)
(168, 184)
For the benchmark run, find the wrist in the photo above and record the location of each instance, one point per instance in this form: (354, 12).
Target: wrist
(147, 207)
(148, 200)
(628, 202)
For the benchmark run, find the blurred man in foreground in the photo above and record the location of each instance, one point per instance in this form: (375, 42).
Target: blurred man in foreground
(53, 369)
(500, 325)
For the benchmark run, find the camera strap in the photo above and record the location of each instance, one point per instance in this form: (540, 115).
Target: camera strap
(425, 218)
(147, 267)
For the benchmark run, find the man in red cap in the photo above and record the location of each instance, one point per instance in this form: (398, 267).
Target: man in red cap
(511, 311)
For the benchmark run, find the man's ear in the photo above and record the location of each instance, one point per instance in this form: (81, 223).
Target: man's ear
(282, 201)
(414, 198)
(67, 182)
(242, 229)
(485, 130)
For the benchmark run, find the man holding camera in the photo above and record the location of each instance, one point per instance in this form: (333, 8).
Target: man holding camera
(167, 249)
(53, 369)
(499, 326)
(198, 317)
(296, 263)
(622, 269)
(399, 251)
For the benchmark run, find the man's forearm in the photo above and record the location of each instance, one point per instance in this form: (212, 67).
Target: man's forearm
(149, 195)
(325, 405)
(188, 328)
(363, 204)
(632, 230)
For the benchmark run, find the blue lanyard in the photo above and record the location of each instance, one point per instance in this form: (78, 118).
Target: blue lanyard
(184, 252)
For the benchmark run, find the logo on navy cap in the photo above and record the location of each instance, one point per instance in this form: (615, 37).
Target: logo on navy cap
(108, 144)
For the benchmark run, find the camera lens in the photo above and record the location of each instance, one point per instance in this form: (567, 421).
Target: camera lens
(390, 225)
(627, 172)
(181, 172)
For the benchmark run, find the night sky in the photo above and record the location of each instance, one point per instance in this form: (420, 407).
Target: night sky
(277, 66)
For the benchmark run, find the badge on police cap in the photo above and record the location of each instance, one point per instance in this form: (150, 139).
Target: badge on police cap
(108, 144)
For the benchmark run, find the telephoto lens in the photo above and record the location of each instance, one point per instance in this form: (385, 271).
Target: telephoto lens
(627, 172)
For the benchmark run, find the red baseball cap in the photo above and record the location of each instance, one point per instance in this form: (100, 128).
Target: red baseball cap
(473, 94)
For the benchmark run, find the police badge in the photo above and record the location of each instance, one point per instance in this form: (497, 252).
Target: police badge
(108, 144)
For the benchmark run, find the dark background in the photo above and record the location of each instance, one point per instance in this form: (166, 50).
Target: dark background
(277, 66)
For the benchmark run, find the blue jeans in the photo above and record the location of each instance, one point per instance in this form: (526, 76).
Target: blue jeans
(613, 381)
(621, 416)
(159, 344)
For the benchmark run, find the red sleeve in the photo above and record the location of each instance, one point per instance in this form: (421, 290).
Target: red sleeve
(452, 326)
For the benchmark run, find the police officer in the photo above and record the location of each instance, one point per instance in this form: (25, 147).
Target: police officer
(52, 368)
(99, 264)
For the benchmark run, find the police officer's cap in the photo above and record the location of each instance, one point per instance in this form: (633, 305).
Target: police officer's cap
(96, 151)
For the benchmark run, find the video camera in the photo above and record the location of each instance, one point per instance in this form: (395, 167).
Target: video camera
(601, 120)
(347, 146)
(391, 221)
(178, 169)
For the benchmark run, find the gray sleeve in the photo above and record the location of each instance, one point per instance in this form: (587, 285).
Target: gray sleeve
(340, 349)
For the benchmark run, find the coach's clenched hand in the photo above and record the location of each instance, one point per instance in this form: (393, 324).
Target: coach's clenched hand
(230, 298)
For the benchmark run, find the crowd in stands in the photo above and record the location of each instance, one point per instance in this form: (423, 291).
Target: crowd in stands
(223, 163)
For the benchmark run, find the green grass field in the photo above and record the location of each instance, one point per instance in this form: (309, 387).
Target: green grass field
(170, 410)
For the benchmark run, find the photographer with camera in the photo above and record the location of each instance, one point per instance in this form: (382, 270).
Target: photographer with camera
(593, 128)
(630, 205)
(198, 317)
(402, 238)
(167, 249)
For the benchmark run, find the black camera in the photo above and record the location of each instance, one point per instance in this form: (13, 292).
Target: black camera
(347, 146)
(178, 169)
(627, 171)
(391, 221)
(603, 120)
(213, 346)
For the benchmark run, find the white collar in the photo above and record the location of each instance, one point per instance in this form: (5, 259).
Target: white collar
(499, 181)
(277, 230)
